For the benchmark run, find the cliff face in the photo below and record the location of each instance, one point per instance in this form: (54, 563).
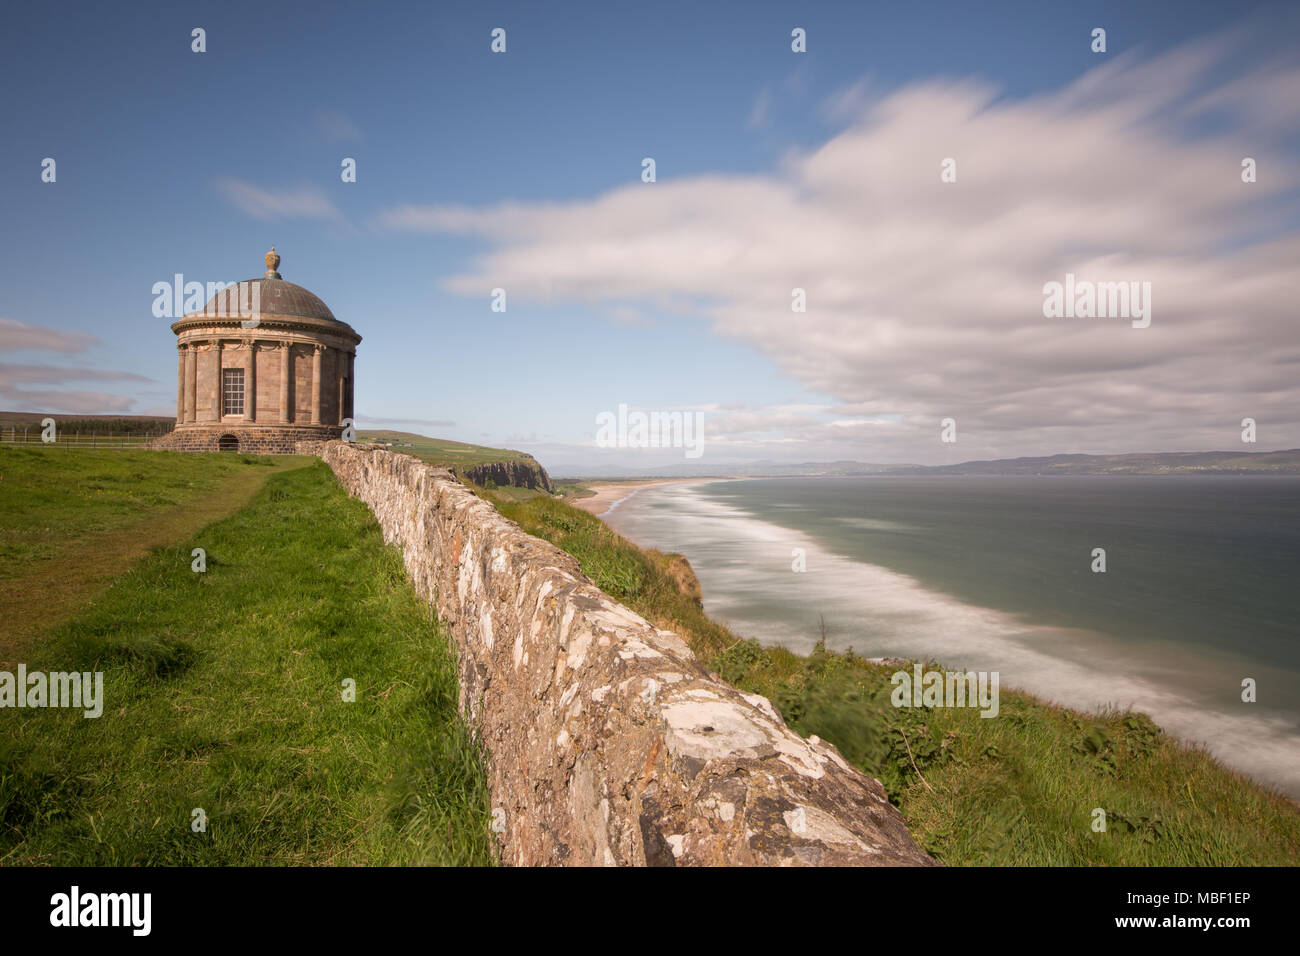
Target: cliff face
(609, 743)
(521, 474)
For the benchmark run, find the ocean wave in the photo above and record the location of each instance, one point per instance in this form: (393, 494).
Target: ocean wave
(744, 564)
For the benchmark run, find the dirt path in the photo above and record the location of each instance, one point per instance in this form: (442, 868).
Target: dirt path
(53, 591)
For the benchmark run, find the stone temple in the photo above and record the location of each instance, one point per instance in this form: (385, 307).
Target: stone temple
(265, 364)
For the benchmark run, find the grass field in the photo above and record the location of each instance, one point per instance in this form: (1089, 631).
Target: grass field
(439, 451)
(72, 520)
(1020, 789)
(225, 693)
(225, 689)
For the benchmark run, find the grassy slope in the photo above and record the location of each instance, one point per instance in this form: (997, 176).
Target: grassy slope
(71, 521)
(224, 692)
(439, 451)
(1019, 789)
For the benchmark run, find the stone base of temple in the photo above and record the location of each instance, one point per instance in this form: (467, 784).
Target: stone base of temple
(250, 439)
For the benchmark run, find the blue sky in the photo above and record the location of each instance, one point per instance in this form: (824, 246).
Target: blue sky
(172, 161)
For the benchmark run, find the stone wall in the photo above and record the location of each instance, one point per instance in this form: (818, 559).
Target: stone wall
(608, 743)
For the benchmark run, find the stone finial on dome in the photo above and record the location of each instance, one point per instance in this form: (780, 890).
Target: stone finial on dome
(272, 263)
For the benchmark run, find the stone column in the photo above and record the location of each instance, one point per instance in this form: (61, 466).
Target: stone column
(216, 386)
(340, 363)
(315, 383)
(191, 382)
(286, 372)
(352, 361)
(180, 384)
(250, 384)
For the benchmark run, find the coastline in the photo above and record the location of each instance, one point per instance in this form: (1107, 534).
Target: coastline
(919, 615)
(609, 495)
(1233, 819)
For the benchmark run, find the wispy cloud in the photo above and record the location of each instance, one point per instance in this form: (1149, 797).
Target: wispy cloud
(760, 112)
(16, 336)
(630, 316)
(306, 202)
(337, 127)
(16, 394)
(64, 401)
(16, 379)
(925, 297)
(56, 373)
(380, 420)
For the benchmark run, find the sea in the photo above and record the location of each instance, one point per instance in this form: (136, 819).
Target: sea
(1200, 592)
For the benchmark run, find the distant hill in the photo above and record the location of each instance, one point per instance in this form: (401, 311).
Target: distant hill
(1139, 463)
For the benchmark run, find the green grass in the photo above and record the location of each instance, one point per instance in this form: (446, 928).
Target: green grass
(1018, 789)
(53, 499)
(513, 494)
(224, 692)
(439, 451)
(571, 488)
(72, 520)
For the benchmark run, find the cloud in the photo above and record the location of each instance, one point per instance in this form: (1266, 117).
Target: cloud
(307, 202)
(16, 379)
(16, 336)
(55, 373)
(65, 401)
(925, 298)
(630, 316)
(379, 420)
(337, 127)
(760, 114)
(16, 394)
(851, 103)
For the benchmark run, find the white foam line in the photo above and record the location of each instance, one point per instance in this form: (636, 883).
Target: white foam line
(636, 491)
(741, 560)
(618, 501)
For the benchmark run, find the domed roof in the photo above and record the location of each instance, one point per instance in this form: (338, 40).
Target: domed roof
(270, 295)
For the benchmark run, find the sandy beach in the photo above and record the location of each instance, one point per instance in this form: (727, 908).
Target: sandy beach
(609, 494)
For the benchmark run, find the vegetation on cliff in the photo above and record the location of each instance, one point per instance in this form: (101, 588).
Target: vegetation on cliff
(1019, 789)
